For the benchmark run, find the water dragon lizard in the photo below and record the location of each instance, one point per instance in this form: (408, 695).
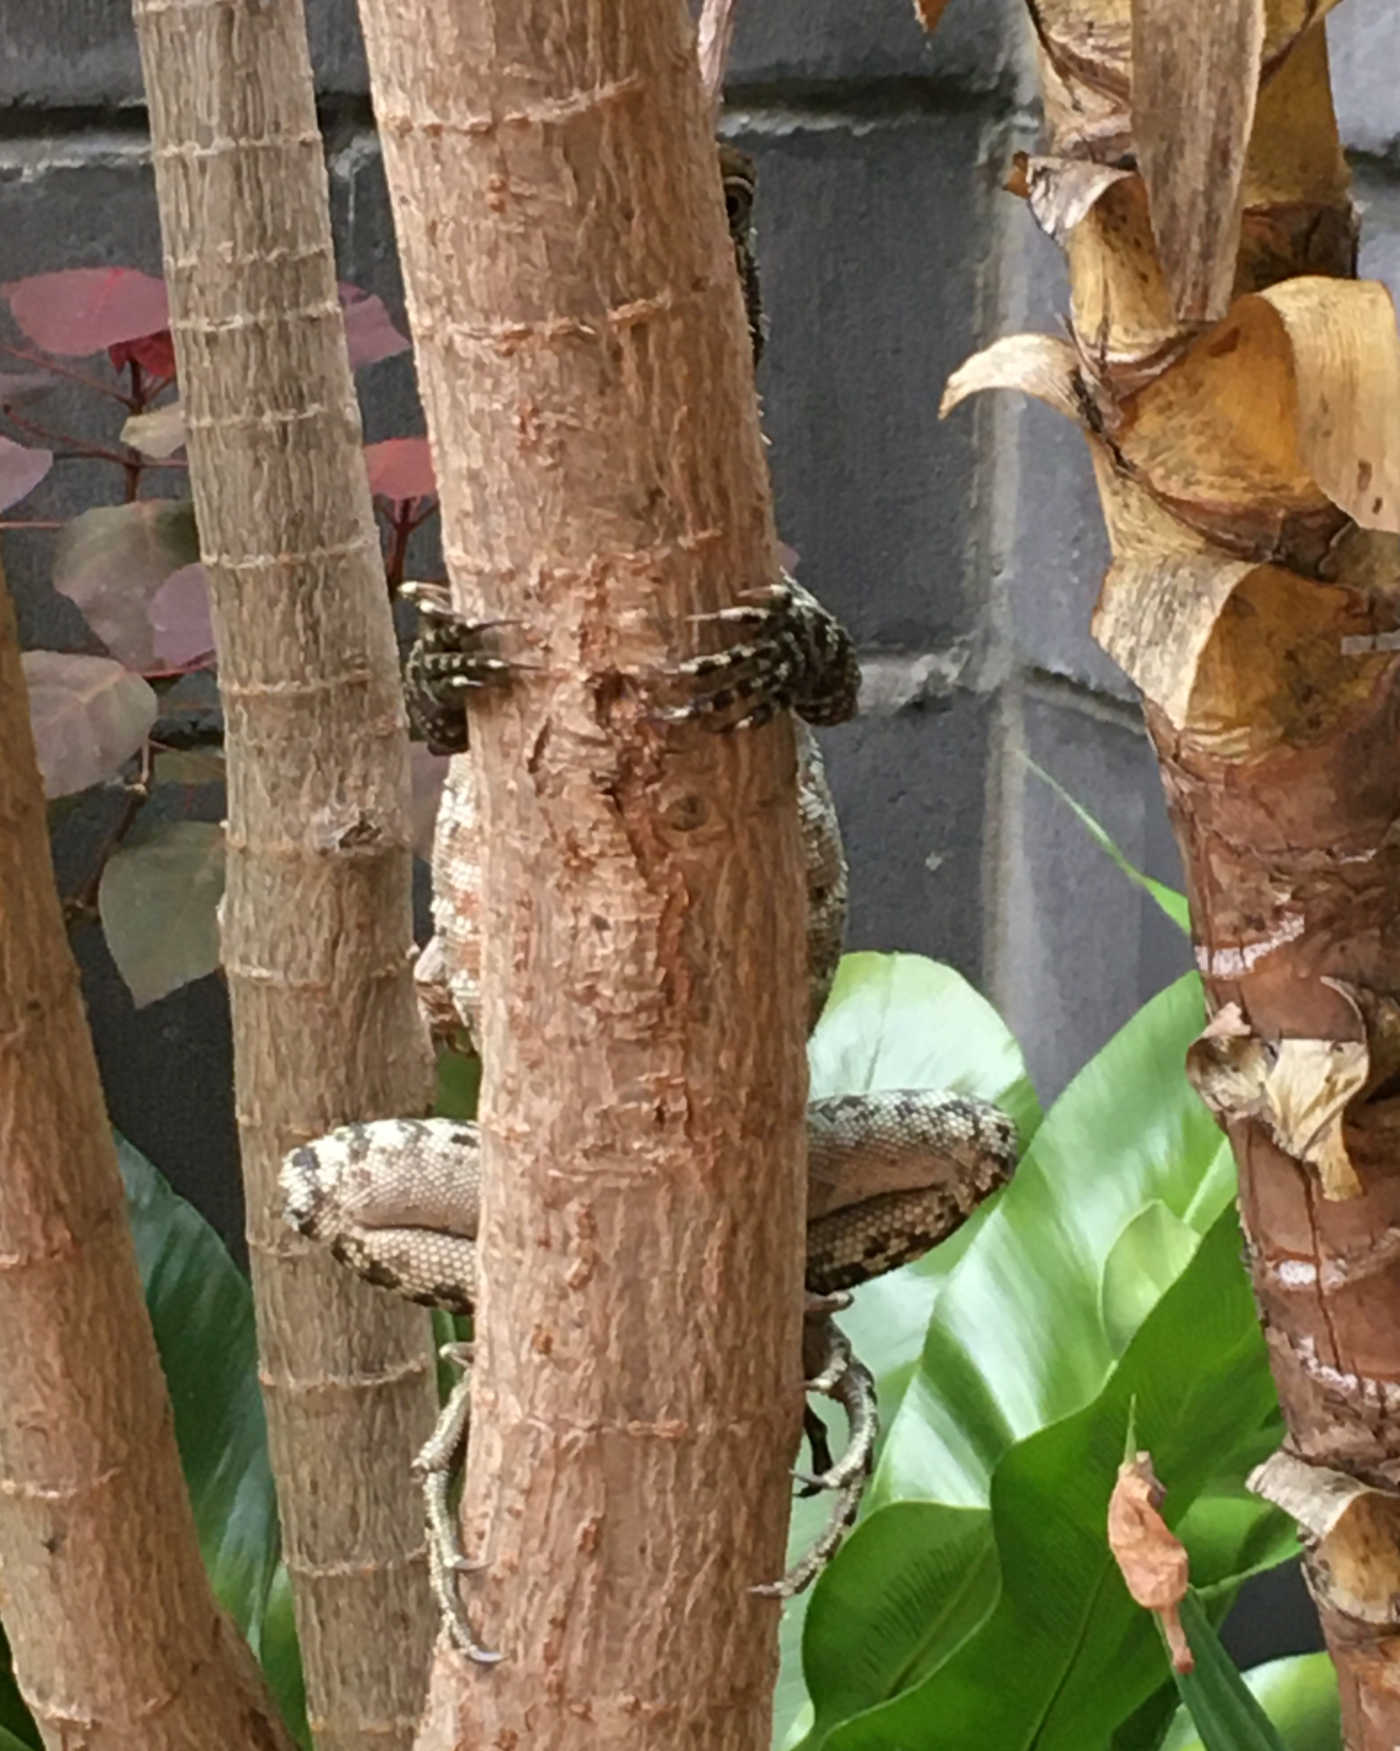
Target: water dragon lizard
(889, 1174)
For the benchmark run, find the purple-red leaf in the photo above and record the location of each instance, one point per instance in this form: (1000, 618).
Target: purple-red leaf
(112, 560)
(369, 334)
(21, 470)
(89, 715)
(83, 310)
(158, 902)
(180, 618)
(154, 353)
(400, 469)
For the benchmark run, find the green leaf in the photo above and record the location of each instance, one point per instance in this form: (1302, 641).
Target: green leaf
(158, 901)
(111, 561)
(948, 1555)
(1065, 1656)
(1225, 1714)
(898, 1021)
(1017, 1339)
(1168, 899)
(1146, 1259)
(89, 715)
(201, 1309)
(1299, 1696)
(458, 1084)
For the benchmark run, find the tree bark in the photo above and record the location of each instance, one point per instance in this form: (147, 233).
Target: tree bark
(1241, 396)
(585, 368)
(317, 931)
(116, 1637)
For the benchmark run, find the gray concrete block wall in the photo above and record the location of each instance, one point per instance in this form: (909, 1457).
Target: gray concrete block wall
(965, 555)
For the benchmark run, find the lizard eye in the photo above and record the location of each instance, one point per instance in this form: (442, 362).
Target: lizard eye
(738, 203)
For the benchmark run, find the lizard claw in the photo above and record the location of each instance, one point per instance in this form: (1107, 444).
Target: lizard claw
(798, 657)
(847, 1380)
(436, 1464)
(450, 658)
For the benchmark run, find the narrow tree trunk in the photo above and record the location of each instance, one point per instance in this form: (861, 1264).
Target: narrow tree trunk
(117, 1641)
(316, 918)
(584, 365)
(1244, 419)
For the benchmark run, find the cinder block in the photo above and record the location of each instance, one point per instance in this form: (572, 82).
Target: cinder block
(910, 792)
(1078, 946)
(869, 310)
(1363, 39)
(1378, 196)
(808, 43)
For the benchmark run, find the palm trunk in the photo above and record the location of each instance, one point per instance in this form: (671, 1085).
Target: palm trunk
(585, 369)
(316, 915)
(1241, 398)
(107, 1605)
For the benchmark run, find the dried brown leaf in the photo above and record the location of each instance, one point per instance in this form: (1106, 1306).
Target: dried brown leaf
(1345, 355)
(1352, 1527)
(1040, 364)
(1298, 1089)
(929, 11)
(1153, 1561)
(1196, 67)
(1061, 191)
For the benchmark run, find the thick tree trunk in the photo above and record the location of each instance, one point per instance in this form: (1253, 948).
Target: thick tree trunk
(316, 919)
(117, 1641)
(1244, 418)
(585, 368)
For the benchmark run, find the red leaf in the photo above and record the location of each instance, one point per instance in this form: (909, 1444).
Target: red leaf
(400, 469)
(154, 353)
(21, 470)
(180, 615)
(369, 334)
(82, 310)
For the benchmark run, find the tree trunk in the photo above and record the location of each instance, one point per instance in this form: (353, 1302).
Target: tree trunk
(317, 930)
(117, 1640)
(585, 368)
(1241, 396)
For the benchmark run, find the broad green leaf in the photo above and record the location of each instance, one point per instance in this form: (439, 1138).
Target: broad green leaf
(1172, 903)
(202, 1310)
(1017, 1340)
(89, 716)
(111, 561)
(1065, 1655)
(458, 1084)
(1225, 1714)
(1145, 1260)
(898, 1021)
(1299, 1696)
(948, 1555)
(157, 899)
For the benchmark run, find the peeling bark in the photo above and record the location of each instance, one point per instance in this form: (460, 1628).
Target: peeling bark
(1248, 469)
(316, 922)
(585, 368)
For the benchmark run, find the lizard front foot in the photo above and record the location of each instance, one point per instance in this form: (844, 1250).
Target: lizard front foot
(834, 1371)
(438, 1461)
(797, 657)
(450, 657)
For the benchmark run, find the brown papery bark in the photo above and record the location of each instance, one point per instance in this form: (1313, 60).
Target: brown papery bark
(1241, 397)
(585, 368)
(316, 916)
(118, 1643)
